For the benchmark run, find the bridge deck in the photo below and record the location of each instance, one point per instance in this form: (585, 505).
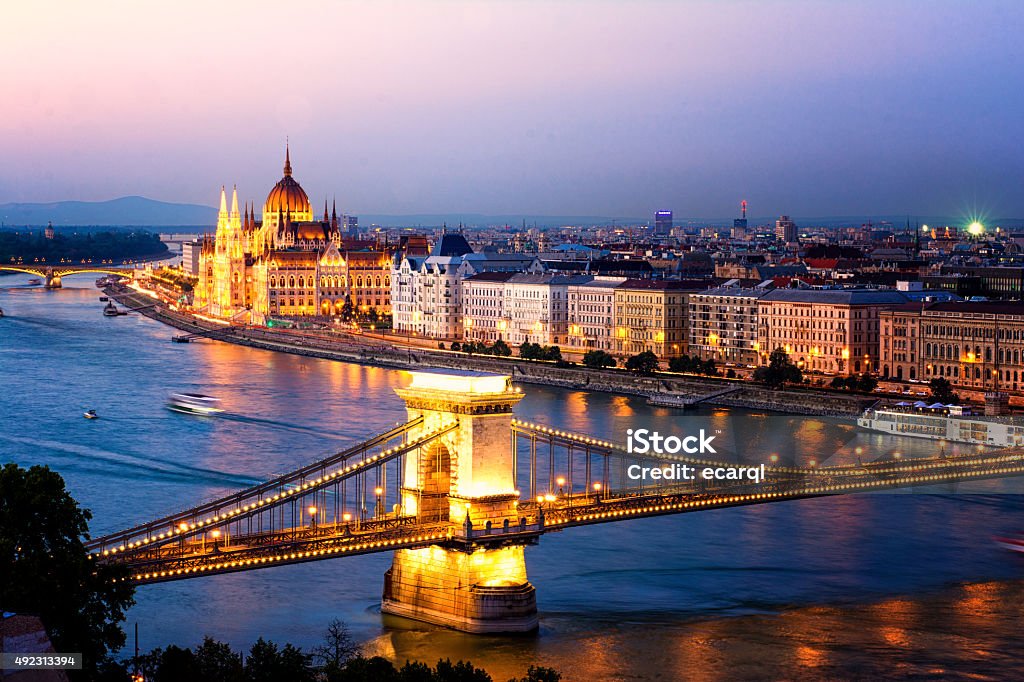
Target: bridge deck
(188, 557)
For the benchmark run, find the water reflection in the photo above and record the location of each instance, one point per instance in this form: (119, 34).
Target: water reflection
(695, 596)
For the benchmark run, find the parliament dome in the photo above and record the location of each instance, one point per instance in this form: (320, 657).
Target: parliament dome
(287, 196)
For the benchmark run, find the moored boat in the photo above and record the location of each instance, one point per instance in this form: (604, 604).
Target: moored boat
(952, 423)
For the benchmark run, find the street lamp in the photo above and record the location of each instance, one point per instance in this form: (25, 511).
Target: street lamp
(378, 491)
(597, 491)
(312, 515)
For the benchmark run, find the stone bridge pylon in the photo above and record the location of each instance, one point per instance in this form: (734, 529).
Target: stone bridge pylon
(466, 478)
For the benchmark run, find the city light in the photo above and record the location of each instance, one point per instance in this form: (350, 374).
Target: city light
(976, 228)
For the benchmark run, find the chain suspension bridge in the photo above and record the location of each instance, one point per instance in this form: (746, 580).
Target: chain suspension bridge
(459, 490)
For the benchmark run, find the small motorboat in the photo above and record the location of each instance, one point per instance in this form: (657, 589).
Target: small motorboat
(91, 414)
(1013, 543)
(34, 282)
(193, 403)
(110, 310)
(104, 299)
(1, 312)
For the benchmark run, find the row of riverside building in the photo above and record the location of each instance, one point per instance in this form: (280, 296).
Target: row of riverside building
(454, 294)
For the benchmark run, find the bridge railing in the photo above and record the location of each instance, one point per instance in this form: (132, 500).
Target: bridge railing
(280, 502)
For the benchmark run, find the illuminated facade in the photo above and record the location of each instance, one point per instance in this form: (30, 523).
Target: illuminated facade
(832, 331)
(651, 315)
(975, 345)
(287, 263)
(723, 324)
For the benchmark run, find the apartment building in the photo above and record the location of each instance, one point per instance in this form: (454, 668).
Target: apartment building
(651, 315)
(723, 324)
(832, 331)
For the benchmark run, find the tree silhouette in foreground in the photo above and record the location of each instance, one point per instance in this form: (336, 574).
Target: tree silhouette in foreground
(45, 569)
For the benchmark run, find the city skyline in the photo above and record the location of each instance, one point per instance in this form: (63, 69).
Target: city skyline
(564, 108)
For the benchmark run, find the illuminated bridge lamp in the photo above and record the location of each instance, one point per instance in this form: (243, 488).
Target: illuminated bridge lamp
(561, 482)
(312, 515)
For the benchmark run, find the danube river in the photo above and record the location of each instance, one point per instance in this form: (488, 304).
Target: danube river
(848, 586)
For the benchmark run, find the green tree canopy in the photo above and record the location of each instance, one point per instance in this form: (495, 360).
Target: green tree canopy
(942, 391)
(598, 359)
(779, 370)
(645, 363)
(46, 570)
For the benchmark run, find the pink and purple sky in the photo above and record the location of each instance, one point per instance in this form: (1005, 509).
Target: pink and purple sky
(577, 107)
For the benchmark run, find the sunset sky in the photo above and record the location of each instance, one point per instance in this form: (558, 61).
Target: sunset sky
(587, 107)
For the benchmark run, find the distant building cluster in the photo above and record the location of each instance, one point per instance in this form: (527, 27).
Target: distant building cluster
(907, 304)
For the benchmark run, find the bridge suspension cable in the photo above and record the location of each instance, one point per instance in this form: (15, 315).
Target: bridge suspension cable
(269, 495)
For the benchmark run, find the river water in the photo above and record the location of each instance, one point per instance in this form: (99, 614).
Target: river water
(906, 583)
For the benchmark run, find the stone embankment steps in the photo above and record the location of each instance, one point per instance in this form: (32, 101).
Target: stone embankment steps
(669, 392)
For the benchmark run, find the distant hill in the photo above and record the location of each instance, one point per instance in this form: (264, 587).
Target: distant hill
(126, 211)
(143, 212)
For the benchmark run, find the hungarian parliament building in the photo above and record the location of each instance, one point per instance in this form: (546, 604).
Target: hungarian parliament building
(287, 263)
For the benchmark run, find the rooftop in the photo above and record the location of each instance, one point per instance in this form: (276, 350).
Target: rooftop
(837, 296)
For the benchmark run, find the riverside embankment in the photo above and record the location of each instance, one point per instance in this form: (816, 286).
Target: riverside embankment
(663, 389)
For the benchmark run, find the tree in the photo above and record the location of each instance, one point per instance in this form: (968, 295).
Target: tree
(359, 669)
(267, 663)
(539, 674)
(552, 353)
(339, 646)
(778, 371)
(867, 383)
(215, 661)
(942, 391)
(348, 310)
(456, 345)
(838, 383)
(530, 351)
(501, 349)
(645, 363)
(463, 671)
(46, 570)
(598, 359)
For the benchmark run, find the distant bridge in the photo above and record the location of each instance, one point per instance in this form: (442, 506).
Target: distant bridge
(458, 491)
(53, 273)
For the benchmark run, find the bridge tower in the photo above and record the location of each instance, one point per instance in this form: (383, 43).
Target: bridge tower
(465, 479)
(52, 279)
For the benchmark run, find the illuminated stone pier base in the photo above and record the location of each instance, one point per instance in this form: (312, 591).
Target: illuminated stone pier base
(464, 479)
(483, 592)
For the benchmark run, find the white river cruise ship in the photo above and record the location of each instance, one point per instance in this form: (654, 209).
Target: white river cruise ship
(944, 422)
